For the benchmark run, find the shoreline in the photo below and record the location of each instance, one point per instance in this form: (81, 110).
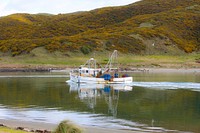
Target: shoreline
(129, 70)
(29, 68)
(48, 127)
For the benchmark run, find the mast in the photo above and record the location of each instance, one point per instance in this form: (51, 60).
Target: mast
(112, 63)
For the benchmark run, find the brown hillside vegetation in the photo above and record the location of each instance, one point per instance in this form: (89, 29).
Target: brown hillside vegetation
(145, 27)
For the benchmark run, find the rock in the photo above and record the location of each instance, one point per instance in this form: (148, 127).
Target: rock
(39, 131)
(2, 125)
(45, 131)
(20, 128)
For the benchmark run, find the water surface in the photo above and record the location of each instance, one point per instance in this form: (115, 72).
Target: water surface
(154, 102)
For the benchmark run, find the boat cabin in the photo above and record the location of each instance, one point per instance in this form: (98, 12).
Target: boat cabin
(84, 71)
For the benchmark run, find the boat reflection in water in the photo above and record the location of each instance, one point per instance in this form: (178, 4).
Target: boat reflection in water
(89, 93)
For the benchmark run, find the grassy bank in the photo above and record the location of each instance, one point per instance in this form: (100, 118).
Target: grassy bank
(63, 127)
(9, 130)
(40, 57)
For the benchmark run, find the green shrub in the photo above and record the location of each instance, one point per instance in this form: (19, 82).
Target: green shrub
(67, 127)
(85, 50)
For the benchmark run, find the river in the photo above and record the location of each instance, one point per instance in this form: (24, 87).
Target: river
(154, 102)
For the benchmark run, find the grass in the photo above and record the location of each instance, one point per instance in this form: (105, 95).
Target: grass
(42, 57)
(9, 130)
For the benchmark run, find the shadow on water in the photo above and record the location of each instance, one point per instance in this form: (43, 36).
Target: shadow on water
(89, 94)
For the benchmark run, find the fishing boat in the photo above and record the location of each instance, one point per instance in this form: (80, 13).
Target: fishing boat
(93, 72)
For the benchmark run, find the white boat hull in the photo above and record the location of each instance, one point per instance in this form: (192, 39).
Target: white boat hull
(77, 86)
(83, 79)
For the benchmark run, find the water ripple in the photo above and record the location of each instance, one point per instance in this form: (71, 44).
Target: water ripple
(168, 85)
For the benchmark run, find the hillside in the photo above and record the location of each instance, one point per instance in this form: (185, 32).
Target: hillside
(145, 27)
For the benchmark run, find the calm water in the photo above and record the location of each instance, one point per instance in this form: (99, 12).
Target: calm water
(154, 102)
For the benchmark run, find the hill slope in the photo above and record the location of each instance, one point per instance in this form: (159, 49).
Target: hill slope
(145, 27)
